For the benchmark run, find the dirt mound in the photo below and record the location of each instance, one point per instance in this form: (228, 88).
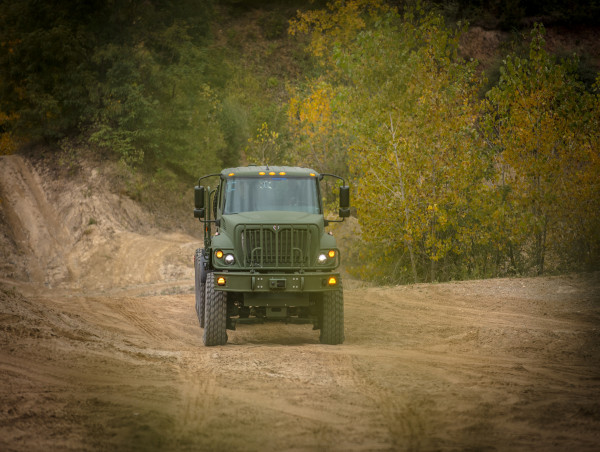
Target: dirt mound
(76, 233)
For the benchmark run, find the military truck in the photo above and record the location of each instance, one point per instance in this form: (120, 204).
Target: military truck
(269, 257)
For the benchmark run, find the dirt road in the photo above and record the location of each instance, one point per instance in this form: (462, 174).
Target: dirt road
(100, 349)
(486, 365)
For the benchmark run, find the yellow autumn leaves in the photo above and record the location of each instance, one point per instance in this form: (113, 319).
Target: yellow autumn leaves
(448, 184)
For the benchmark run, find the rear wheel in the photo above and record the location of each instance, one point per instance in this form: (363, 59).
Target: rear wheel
(199, 287)
(215, 314)
(332, 318)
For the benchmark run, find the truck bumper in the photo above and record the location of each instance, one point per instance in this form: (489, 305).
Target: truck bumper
(276, 282)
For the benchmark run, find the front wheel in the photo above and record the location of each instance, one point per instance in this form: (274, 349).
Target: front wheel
(332, 317)
(215, 314)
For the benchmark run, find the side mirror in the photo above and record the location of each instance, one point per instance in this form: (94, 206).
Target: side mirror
(344, 201)
(199, 210)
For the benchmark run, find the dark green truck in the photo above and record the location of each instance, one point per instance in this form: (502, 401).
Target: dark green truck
(269, 257)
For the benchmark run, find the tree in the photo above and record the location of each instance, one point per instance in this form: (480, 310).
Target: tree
(129, 75)
(545, 127)
(265, 148)
(409, 106)
(315, 128)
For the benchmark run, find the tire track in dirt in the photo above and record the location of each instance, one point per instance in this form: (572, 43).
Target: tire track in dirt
(197, 395)
(134, 312)
(293, 384)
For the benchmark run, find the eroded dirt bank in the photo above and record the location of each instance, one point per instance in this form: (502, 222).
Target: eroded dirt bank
(102, 351)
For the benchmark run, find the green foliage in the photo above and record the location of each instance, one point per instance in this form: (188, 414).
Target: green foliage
(130, 77)
(143, 79)
(233, 119)
(157, 113)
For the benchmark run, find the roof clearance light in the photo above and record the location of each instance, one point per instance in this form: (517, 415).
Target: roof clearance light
(262, 173)
(331, 253)
(219, 254)
(221, 281)
(332, 281)
(232, 174)
(272, 173)
(282, 173)
(313, 174)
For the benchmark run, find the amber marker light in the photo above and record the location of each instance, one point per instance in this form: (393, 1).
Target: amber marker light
(272, 173)
(262, 173)
(219, 254)
(331, 253)
(231, 174)
(221, 281)
(313, 174)
(332, 281)
(282, 173)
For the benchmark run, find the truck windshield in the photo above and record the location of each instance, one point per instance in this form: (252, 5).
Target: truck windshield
(251, 194)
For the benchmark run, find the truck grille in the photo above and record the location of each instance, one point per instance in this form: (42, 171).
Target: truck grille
(276, 246)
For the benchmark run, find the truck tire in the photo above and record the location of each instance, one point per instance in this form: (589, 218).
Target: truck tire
(215, 316)
(332, 318)
(199, 286)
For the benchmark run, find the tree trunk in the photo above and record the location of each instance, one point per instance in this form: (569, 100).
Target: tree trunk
(407, 242)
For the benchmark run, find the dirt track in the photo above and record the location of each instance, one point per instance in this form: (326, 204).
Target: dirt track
(502, 364)
(107, 355)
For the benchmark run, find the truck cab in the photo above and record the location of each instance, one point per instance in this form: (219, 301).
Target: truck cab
(267, 255)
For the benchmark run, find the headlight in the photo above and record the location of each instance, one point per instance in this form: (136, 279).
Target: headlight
(326, 256)
(229, 259)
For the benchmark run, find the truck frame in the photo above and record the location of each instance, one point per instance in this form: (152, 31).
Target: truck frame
(269, 257)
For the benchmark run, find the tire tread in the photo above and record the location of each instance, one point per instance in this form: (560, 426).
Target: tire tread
(332, 320)
(215, 317)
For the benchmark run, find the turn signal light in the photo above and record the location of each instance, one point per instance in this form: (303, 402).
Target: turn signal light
(332, 281)
(219, 254)
(331, 253)
(221, 281)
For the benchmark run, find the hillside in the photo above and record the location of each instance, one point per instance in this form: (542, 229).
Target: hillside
(175, 91)
(75, 232)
